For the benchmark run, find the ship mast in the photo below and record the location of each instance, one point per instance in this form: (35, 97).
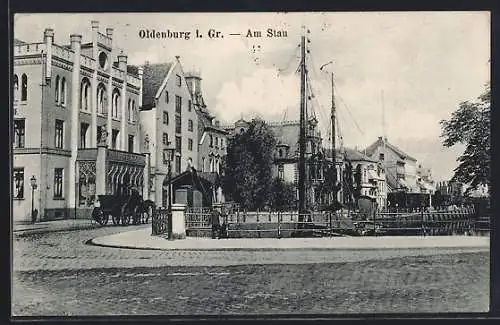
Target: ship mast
(302, 132)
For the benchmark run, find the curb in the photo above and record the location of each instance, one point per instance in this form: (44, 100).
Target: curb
(271, 249)
(40, 231)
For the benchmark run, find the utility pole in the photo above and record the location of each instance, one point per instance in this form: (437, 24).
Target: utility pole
(302, 133)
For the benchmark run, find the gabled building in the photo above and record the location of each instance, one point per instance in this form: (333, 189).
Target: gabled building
(211, 142)
(75, 127)
(168, 119)
(401, 168)
(371, 174)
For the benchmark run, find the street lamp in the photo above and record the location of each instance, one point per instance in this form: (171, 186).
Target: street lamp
(168, 157)
(33, 188)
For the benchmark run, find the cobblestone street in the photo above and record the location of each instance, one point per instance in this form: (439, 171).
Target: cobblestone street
(59, 274)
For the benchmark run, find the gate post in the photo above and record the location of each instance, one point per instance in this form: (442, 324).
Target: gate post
(178, 221)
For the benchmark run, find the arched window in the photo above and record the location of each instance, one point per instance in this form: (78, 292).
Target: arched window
(133, 111)
(101, 99)
(24, 89)
(129, 110)
(63, 91)
(16, 88)
(84, 95)
(57, 86)
(115, 103)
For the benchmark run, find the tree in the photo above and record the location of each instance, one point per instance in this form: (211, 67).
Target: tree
(248, 166)
(283, 196)
(470, 125)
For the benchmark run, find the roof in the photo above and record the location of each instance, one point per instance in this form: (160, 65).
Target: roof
(350, 154)
(18, 42)
(287, 134)
(153, 77)
(380, 143)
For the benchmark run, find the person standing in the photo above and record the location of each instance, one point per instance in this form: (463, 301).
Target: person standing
(215, 223)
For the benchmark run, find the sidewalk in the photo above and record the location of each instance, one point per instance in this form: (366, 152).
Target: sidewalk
(53, 226)
(142, 239)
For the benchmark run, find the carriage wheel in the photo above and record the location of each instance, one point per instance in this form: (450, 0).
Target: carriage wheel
(98, 215)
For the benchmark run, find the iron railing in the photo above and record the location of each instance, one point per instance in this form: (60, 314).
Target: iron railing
(159, 222)
(278, 224)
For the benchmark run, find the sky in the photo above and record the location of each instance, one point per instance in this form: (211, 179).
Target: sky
(404, 70)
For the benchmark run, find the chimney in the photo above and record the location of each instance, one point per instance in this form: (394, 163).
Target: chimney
(122, 61)
(109, 32)
(48, 38)
(95, 30)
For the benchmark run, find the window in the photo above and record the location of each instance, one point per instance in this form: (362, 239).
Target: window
(24, 88)
(130, 111)
(101, 99)
(165, 139)
(83, 135)
(281, 153)
(114, 138)
(178, 104)
(19, 133)
(216, 142)
(63, 91)
(222, 143)
(178, 144)
(167, 100)
(165, 118)
(190, 144)
(84, 95)
(281, 172)
(203, 164)
(18, 175)
(211, 141)
(132, 116)
(116, 104)
(211, 165)
(58, 183)
(57, 89)
(130, 143)
(178, 128)
(190, 105)
(16, 88)
(190, 125)
(178, 80)
(59, 135)
(381, 156)
(178, 164)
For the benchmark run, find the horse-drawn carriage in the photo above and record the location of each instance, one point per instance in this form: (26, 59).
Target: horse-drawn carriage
(123, 209)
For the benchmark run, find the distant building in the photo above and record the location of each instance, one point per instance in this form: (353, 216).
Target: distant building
(211, 142)
(401, 168)
(424, 180)
(75, 127)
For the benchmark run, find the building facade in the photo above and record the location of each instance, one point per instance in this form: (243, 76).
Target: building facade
(401, 168)
(69, 100)
(168, 119)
